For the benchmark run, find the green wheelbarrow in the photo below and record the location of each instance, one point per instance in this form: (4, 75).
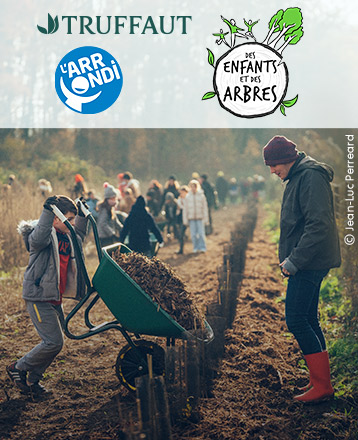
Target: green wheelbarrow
(133, 309)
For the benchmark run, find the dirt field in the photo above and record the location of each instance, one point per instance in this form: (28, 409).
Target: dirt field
(252, 394)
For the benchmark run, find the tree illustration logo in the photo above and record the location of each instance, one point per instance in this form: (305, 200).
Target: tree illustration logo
(250, 79)
(52, 25)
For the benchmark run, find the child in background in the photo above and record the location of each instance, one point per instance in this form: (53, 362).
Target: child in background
(51, 274)
(108, 224)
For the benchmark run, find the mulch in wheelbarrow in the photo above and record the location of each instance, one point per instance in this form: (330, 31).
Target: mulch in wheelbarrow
(161, 283)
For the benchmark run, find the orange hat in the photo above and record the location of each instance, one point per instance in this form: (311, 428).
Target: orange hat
(79, 178)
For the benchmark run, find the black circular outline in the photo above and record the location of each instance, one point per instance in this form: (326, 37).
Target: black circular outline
(250, 116)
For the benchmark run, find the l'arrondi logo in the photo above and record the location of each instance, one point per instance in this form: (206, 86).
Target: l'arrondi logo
(52, 25)
(250, 79)
(88, 80)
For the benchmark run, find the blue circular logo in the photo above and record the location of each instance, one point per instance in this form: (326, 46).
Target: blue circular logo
(88, 80)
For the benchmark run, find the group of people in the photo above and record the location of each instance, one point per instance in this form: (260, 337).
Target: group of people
(174, 208)
(125, 215)
(308, 248)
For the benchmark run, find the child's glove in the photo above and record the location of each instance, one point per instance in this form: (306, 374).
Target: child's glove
(50, 201)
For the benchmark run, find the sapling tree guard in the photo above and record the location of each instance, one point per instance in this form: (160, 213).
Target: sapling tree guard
(250, 79)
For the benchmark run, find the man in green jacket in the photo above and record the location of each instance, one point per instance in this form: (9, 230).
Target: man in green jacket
(308, 248)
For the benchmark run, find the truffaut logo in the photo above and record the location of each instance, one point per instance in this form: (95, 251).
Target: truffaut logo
(117, 24)
(88, 80)
(52, 25)
(250, 79)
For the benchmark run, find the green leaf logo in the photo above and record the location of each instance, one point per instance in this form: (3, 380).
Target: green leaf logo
(42, 29)
(208, 95)
(288, 103)
(211, 58)
(291, 102)
(52, 25)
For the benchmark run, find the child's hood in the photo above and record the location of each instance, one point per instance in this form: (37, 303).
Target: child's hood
(24, 228)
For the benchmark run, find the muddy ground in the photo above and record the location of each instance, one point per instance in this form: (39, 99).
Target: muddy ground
(252, 396)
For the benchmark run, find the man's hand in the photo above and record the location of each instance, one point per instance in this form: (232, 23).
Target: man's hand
(284, 271)
(50, 201)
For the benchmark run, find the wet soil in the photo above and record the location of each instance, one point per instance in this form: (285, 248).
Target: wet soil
(252, 395)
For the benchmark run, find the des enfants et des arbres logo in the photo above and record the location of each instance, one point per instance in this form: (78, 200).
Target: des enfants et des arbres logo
(250, 80)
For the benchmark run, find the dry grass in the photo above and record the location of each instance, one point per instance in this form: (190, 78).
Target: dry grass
(21, 203)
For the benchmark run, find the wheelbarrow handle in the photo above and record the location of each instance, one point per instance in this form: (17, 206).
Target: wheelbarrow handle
(86, 212)
(77, 249)
(88, 215)
(58, 213)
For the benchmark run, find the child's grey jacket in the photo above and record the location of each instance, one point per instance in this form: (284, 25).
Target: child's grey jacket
(42, 276)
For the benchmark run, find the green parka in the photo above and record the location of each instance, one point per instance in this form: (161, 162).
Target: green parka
(309, 238)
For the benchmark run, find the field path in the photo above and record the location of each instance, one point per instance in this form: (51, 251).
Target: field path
(253, 391)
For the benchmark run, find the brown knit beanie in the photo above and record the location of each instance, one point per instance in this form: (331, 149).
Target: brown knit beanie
(279, 150)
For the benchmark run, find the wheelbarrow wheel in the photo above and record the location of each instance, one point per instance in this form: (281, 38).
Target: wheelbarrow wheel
(132, 362)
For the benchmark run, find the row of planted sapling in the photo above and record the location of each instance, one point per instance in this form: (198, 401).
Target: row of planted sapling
(190, 365)
(221, 314)
(146, 297)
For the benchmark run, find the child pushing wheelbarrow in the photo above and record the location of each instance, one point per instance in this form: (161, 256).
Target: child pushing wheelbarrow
(134, 310)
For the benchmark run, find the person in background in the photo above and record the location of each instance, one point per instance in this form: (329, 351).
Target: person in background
(210, 199)
(184, 190)
(170, 208)
(92, 202)
(44, 188)
(244, 188)
(154, 197)
(308, 248)
(222, 188)
(258, 186)
(171, 185)
(131, 183)
(121, 185)
(12, 184)
(128, 200)
(195, 214)
(137, 226)
(80, 187)
(51, 274)
(233, 190)
(108, 224)
(12, 180)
